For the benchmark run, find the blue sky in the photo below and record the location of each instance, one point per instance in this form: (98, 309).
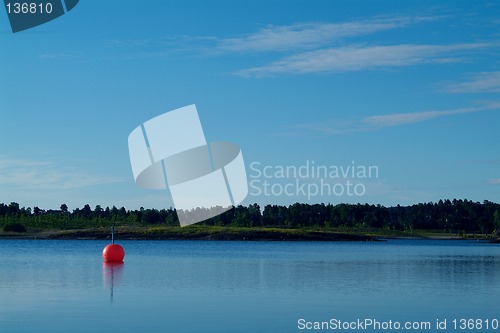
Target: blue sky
(411, 87)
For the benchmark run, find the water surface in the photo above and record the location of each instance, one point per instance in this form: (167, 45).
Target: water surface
(211, 286)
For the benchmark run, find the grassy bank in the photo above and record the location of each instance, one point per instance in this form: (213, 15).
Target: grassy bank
(200, 232)
(191, 233)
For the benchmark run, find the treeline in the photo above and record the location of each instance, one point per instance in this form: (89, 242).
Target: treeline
(456, 216)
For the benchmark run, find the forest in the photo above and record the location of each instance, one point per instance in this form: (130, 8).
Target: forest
(451, 216)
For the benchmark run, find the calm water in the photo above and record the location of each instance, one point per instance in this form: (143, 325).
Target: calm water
(209, 286)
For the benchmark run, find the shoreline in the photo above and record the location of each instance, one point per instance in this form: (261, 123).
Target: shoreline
(259, 235)
(233, 234)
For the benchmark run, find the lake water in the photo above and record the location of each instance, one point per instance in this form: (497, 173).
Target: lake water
(211, 286)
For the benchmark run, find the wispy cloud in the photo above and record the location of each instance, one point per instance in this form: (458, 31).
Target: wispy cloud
(487, 162)
(485, 82)
(302, 36)
(314, 47)
(41, 175)
(115, 42)
(157, 47)
(494, 181)
(377, 122)
(60, 55)
(414, 117)
(355, 58)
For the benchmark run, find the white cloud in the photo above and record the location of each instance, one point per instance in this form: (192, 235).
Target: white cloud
(322, 47)
(355, 58)
(312, 35)
(371, 123)
(494, 181)
(40, 175)
(414, 117)
(485, 82)
(60, 55)
(128, 42)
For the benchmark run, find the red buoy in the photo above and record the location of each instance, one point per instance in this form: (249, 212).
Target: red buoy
(113, 253)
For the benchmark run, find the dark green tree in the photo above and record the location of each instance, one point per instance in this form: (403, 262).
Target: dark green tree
(64, 208)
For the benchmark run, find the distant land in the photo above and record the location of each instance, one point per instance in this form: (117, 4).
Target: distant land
(450, 219)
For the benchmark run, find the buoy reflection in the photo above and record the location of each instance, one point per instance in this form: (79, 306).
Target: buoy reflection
(112, 273)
